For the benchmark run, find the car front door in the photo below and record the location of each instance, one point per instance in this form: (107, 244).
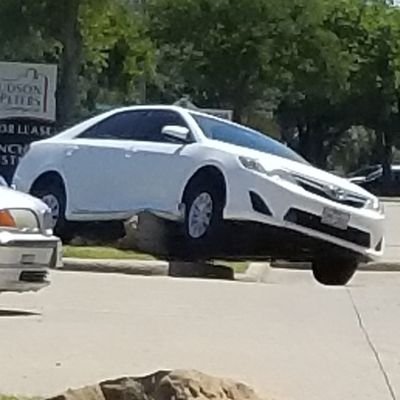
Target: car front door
(158, 166)
(95, 163)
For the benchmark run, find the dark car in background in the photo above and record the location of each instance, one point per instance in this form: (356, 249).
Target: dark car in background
(371, 178)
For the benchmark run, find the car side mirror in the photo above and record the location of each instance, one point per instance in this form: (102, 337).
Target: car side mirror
(176, 132)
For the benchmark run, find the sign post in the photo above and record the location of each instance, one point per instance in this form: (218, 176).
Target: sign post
(27, 109)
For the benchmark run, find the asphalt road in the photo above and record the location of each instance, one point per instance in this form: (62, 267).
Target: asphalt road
(289, 338)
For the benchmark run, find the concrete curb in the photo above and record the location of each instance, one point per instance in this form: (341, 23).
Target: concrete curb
(390, 199)
(256, 272)
(383, 266)
(127, 267)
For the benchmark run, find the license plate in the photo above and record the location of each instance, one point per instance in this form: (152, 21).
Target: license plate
(27, 259)
(337, 219)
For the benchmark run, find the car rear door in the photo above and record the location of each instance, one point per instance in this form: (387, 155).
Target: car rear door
(94, 166)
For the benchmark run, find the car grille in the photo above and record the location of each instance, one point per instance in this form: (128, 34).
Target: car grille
(313, 222)
(33, 276)
(337, 195)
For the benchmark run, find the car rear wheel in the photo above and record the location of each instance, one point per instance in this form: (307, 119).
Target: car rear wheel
(334, 271)
(203, 215)
(53, 194)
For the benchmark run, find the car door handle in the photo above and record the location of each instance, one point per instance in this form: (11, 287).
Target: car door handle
(71, 150)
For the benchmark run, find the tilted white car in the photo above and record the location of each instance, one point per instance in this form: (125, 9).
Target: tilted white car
(27, 245)
(205, 174)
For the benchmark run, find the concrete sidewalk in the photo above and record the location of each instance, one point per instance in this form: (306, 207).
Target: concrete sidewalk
(291, 339)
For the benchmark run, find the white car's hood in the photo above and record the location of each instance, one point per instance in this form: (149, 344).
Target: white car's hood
(271, 162)
(10, 198)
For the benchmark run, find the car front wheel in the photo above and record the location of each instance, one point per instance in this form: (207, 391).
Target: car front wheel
(53, 195)
(334, 271)
(203, 215)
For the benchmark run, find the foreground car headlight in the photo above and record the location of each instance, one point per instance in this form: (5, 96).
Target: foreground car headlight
(6, 219)
(254, 165)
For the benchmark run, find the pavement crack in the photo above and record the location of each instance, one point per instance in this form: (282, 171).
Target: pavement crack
(372, 347)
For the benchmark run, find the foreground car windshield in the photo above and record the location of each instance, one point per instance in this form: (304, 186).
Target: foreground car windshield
(244, 137)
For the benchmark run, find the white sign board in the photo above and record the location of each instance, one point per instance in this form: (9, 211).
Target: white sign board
(216, 112)
(226, 114)
(28, 91)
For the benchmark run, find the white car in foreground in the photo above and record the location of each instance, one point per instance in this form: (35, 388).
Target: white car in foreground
(209, 178)
(27, 246)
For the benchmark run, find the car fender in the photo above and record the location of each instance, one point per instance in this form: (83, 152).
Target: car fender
(225, 163)
(42, 158)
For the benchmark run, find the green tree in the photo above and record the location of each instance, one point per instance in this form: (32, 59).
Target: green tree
(375, 81)
(318, 64)
(220, 49)
(81, 36)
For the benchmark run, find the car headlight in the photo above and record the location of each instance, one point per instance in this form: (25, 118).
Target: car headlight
(374, 204)
(6, 219)
(254, 165)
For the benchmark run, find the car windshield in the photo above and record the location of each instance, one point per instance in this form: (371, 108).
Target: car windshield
(245, 137)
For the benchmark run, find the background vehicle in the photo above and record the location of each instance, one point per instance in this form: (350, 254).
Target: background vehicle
(371, 179)
(206, 179)
(27, 245)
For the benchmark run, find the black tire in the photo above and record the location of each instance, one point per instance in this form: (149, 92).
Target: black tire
(334, 271)
(63, 228)
(204, 245)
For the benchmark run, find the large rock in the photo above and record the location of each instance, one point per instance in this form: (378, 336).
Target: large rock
(164, 385)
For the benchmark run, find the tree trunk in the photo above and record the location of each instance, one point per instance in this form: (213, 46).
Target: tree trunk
(67, 94)
(238, 114)
(304, 140)
(319, 152)
(311, 145)
(387, 155)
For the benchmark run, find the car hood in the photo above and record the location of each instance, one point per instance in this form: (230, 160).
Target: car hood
(10, 198)
(271, 162)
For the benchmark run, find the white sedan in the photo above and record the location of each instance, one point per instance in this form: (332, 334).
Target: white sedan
(27, 246)
(203, 174)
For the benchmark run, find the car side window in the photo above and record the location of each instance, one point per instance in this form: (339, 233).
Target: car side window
(152, 123)
(120, 126)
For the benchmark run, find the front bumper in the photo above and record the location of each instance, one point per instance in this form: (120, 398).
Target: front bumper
(365, 233)
(25, 260)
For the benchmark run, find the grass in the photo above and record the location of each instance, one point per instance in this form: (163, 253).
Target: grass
(107, 252)
(103, 252)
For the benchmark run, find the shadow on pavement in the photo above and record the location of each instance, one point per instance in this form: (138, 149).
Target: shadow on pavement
(17, 313)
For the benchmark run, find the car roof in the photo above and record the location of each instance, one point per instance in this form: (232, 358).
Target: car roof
(86, 123)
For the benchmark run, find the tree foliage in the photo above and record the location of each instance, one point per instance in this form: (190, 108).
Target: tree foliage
(320, 67)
